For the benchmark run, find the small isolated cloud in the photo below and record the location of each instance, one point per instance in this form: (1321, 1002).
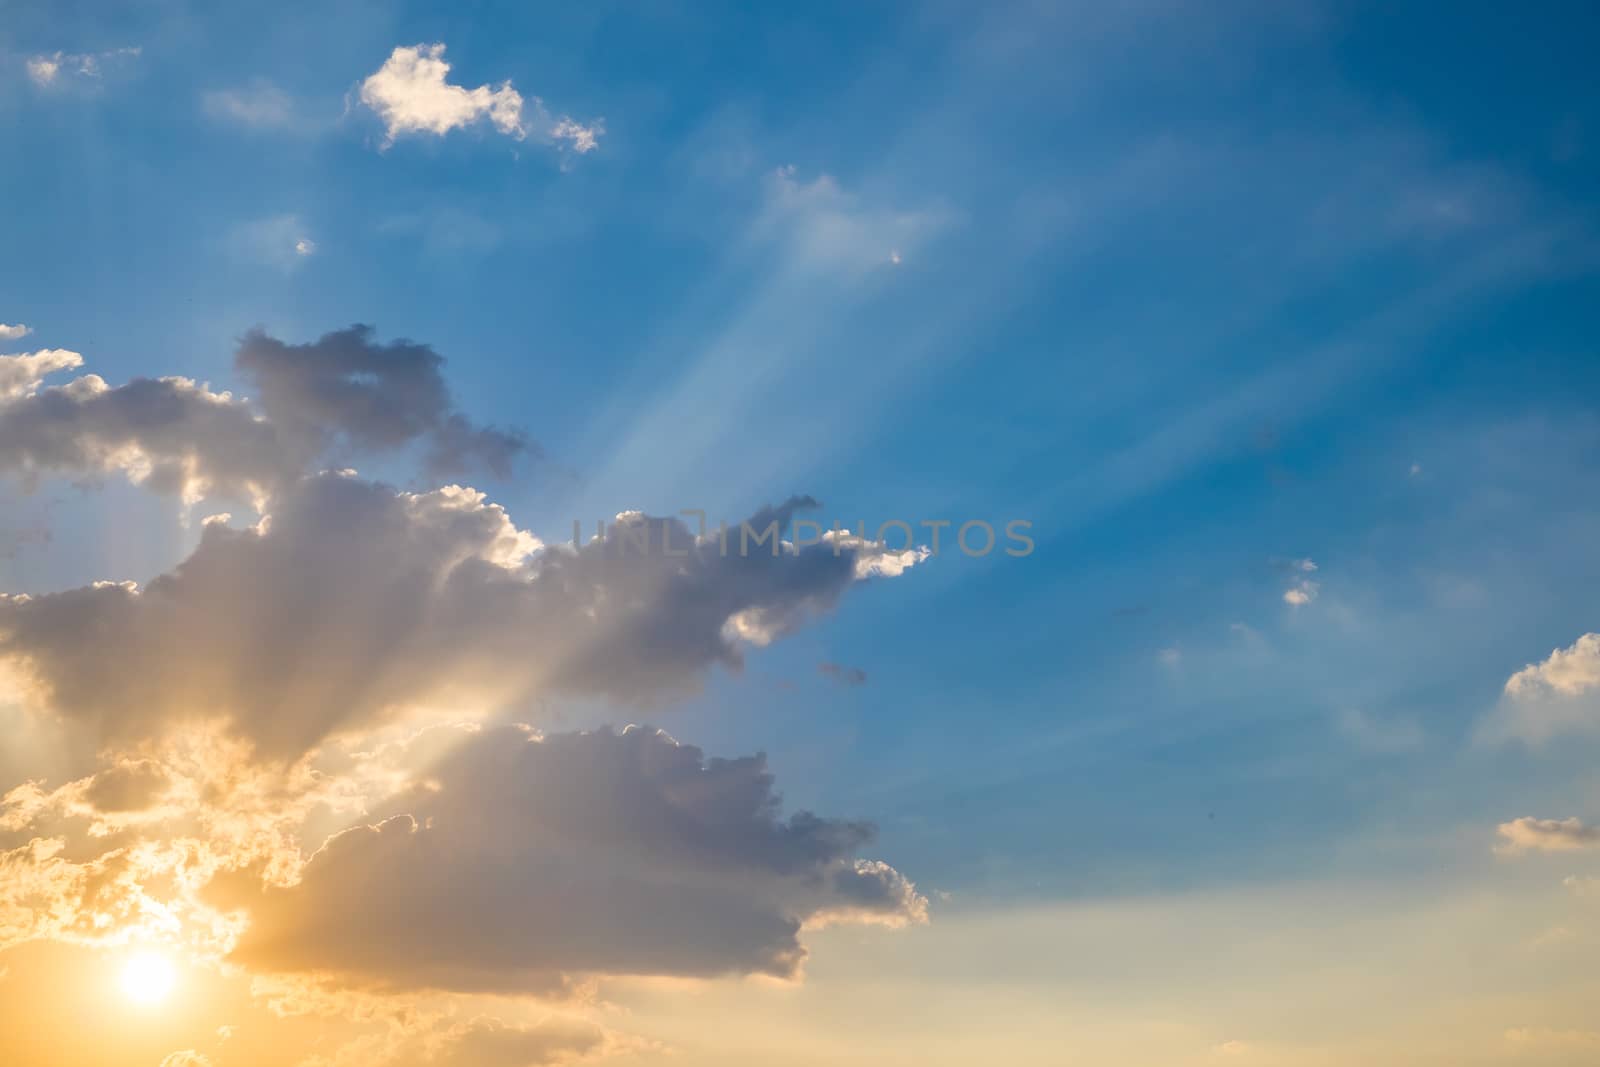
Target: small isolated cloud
(47, 70)
(9, 332)
(280, 241)
(1303, 591)
(842, 674)
(1170, 657)
(260, 105)
(1547, 835)
(1552, 697)
(411, 93)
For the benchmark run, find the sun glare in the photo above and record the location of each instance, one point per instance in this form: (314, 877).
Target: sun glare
(148, 977)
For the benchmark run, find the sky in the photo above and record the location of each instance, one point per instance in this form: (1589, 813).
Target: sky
(1180, 643)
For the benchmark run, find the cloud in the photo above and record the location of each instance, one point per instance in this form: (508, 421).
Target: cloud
(842, 674)
(186, 1058)
(366, 604)
(1567, 672)
(486, 1042)
(1304, 590)
(525, 860)
(260, 105)
(346, 387)
(345, 392)
(13, 333)
(828, 227)
(412, 95)
(21, 376)
(1553, 697)
(274, 242)
(1547, 835)
(170, 434)
(46, 70)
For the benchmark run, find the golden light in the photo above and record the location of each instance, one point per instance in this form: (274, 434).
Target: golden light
(148, 977)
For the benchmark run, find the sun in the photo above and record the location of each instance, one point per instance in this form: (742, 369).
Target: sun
(148, 978)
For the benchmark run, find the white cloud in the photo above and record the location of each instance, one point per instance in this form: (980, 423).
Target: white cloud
(1567, 671)
(1528, 834)
(581, 138)
(412, 95)
(1301, 593)
(21, 376)
(43, 69)
(1552, 697)
(13, 333)
(46, 70)
(305, 246)
(1303, 590)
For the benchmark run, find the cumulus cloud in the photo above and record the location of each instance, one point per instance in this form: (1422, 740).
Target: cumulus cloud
(365, 603)
(1547, 835)
(346, 391)
(346, 387)
(218, 721)
(1559, 695)
(411, 93)
(524, 860)
(9, 332)
(170, 434)
(22, 375)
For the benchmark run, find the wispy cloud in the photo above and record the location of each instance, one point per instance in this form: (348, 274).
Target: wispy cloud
(48, 70)
(260, 104)
(280, 241)
(1528, 834)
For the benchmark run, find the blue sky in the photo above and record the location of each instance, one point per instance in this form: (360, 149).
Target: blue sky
(1229, 302)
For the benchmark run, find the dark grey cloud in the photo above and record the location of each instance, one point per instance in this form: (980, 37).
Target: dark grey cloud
(170, 434)
(344, 394)
(352, 603)
(525, 861)
(348, 387)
